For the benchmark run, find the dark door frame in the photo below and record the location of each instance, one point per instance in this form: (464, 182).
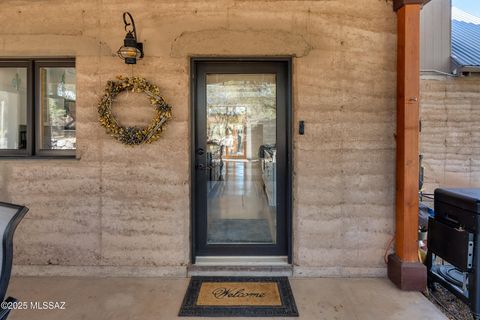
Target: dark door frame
(287, 61)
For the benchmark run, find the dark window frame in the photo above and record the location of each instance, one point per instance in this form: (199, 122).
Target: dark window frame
(42, 63)
(29, 66)
(33, 66)
(288, 227)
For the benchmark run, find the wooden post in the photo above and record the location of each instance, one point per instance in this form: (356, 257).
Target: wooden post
(404, 269)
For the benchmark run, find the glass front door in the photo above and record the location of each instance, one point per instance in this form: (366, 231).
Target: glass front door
(240, 158)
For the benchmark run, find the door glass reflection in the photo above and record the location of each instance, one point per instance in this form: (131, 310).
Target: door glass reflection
(241, 158)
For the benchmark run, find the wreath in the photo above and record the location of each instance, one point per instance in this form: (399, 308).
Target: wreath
(133, 135)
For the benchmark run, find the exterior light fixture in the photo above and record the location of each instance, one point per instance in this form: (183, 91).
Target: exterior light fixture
(131, 49)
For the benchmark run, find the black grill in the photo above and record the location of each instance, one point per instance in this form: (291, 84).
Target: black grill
(454, 245)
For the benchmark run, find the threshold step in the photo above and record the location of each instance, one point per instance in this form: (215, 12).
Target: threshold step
(240, 270)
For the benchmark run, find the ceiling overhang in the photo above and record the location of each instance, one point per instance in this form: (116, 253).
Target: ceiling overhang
(398, 4)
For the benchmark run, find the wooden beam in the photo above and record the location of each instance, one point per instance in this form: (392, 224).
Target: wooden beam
(404, 268)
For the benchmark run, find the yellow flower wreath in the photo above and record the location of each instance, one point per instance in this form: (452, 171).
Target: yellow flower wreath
(133, 135)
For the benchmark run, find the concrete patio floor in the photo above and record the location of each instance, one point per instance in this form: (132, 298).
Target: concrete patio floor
(160, 299)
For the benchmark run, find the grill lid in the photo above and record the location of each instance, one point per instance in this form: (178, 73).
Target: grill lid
(451, 274)
(467, 199)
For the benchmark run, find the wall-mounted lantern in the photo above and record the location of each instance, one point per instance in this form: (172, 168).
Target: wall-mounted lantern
(131, 49)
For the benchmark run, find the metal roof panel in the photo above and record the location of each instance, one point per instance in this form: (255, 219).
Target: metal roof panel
(465, 38)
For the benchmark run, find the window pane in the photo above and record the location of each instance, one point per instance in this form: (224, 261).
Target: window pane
(241, 158)
(57, 114)
(13, 108)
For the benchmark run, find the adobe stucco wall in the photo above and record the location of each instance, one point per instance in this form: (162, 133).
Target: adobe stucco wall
(450, 138)
(125, 211)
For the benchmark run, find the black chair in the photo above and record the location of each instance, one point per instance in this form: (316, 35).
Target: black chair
(10, 217)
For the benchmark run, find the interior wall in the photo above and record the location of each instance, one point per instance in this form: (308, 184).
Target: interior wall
(118, 210)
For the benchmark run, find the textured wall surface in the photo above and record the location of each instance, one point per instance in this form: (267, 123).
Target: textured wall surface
(450, 138)
(120, 210)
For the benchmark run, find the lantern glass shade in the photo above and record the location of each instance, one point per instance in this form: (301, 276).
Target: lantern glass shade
(129, 52)
(131, 49)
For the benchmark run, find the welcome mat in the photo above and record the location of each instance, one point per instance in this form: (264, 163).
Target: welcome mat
(239, 297)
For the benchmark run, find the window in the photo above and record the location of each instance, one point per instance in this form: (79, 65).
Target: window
(37, 107)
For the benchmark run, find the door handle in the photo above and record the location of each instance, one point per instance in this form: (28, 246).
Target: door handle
(203, 167)
(200, 166)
